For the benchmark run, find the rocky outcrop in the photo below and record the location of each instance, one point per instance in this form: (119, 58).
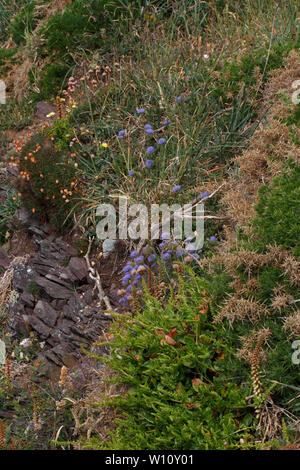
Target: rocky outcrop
(56, 300)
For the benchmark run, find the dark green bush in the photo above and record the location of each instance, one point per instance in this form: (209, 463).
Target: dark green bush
(170, 356)
(53, 78)
(278, 210)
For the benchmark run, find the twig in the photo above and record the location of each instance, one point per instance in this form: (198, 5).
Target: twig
(95, 276)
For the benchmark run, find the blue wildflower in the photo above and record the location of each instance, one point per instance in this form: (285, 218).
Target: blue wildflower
(212, 239)
(150, 149)
(133, 254)
(140, 111)
(167, 121)
(162, 244)
(204, 195)
(179, 253)
(177, 99)
(151, 258)
(130, 173)
(149, 163)
(127, 268)
(126, 279)
(139, 259)
(176, 188)
(148, 126)
(149, 131)
(121, 134)
(161, 141)
(164, 235)
(166, 255)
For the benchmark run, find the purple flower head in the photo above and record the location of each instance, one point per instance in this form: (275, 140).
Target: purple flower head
(149, 131)
(150, 149)
(133, 254)
(176, 188)
(161, 141)
(140, 111)
(144, 249)
(139, 259)
(151, 258)
(127, 268)
(191, 247)
(177, 99)
(165, 235)
(162, 244)
(196, 255)
(166, 255)
(129, 288)
(126, 279)
(179, 253)
(212, 239)
(121, 134)
(166, 122)
(148, 126)
(149, 163)
(204, 195)
(130, 173)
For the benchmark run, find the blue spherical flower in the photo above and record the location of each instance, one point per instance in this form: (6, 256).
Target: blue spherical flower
(164, 235)
(151, 258)
(150, 149)
(133, 254)
(212, 239)
(139, 259)
(177, 99)
(166, 255)
(129, 288)
(176, 188)
(127, 268)
(167, 121)
(204, 195)
(162, 244)
(179, 253)
(149, 131)
(148, 126)
(161, 141)
(149, 163)
(191, 248)
(140, 111)
(126, 279)
(130, 173)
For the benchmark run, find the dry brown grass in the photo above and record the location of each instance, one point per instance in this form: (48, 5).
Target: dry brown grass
(292, 323)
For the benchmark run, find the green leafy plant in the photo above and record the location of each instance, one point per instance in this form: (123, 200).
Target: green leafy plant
(170, 357)
(278, 203)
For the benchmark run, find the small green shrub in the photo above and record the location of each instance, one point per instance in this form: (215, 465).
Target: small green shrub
(278, 210)
(170, 356)
(16, 115)
(53, 78)
(47, 180)
(23, 23)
